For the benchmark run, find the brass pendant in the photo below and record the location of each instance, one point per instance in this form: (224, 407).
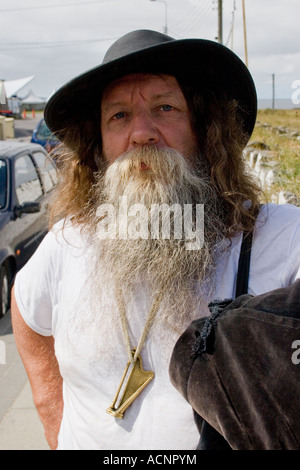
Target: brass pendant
(137, 381)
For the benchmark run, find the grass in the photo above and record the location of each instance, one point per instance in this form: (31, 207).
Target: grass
(286, 147)
(280, 117)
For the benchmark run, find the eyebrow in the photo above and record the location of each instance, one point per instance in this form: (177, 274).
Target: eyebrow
(114, 104)
(164, 95)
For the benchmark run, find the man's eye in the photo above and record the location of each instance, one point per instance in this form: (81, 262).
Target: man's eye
(119, 115)
(166, 107)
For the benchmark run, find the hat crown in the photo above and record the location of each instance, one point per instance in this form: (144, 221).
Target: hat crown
(133, 42)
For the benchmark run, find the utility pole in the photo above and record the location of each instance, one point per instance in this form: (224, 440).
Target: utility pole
(232, 26)
(273, 91)
(166, 14)
(245, 34)
(220, 21)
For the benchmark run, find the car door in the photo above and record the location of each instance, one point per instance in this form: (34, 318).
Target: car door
(29, 228)
(47, 170)
(3, 183)
(48, 175)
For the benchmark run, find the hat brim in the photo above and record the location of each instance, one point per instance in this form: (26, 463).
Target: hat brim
(207, 63)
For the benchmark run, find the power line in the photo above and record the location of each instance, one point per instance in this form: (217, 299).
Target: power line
(34, 45)
(232, 26)
(61, 5)
(192, 18)
(185, 19)
(194, 22)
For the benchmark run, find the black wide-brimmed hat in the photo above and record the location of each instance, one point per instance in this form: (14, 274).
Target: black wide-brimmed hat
(207, 64)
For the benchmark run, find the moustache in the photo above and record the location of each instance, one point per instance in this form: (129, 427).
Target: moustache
(148, 162)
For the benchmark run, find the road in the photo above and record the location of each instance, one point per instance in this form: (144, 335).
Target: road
(20, 427)
(24, 127)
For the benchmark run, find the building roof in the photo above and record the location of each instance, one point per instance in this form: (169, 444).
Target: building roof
(13, 86)
(31, 98)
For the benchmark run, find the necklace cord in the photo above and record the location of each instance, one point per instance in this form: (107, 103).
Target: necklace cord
(149, 321)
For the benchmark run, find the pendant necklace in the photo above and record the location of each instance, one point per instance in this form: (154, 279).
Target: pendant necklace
(138, 378)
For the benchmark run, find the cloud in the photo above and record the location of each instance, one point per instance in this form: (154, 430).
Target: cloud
(55, 41)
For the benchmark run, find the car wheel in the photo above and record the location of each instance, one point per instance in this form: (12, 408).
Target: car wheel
(4, 291)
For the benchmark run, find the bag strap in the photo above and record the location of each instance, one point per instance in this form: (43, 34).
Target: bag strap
(210, 439)
(244, 265)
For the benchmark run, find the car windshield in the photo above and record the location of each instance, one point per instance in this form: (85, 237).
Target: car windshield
(3, 184)
(44, 132)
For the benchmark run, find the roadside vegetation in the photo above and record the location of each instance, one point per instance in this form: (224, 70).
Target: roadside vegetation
(280, 131)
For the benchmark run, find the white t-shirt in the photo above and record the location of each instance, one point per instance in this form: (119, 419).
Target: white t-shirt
(53, 300)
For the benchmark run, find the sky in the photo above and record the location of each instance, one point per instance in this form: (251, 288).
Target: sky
(56, 40)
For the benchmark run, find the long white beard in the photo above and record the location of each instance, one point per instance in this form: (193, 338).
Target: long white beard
(162, 264)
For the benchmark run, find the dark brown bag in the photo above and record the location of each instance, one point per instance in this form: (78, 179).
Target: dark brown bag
(239, 369)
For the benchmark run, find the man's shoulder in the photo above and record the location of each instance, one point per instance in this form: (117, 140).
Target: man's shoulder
(65, 235)
(278, 216)
(277, 230)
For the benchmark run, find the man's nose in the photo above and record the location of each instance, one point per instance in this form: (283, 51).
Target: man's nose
(143, 131)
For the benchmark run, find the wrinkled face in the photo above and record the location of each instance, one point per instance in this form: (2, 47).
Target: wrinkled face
(145, 109)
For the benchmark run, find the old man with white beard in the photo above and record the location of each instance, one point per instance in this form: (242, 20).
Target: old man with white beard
(98, 308)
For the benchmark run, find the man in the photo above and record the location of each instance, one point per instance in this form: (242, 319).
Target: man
(159, 125)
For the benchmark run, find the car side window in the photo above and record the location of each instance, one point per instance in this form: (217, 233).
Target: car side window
(43, 131)
(47, 170)
(3, 184)
(27, 182)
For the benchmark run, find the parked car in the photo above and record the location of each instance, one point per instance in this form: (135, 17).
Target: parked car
(27, 178)
(43, 136)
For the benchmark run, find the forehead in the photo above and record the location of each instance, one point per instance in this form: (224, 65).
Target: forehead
(151, 84)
